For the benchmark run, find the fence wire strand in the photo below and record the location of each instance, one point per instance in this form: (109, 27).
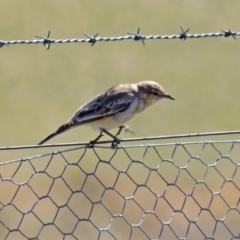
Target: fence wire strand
(183, 35)
(86, 144)
(174, 190)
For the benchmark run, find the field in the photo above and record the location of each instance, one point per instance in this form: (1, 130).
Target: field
(41, 89)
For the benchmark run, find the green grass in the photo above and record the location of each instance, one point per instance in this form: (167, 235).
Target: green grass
(40, 89)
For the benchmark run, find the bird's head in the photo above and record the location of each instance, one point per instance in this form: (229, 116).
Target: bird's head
(152, 92)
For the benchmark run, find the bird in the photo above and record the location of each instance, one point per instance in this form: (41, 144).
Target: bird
(113, 108)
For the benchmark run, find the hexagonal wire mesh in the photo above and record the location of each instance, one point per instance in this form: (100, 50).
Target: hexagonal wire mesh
(185, 190)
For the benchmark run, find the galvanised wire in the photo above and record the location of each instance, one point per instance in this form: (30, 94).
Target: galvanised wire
(125, 140)
(186, 194)
(192, 192)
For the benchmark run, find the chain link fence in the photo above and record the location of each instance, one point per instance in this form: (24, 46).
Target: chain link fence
(187, 190)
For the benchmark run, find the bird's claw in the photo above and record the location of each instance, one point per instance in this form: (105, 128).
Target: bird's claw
(91, 144)
(127, 129)
(115, 142)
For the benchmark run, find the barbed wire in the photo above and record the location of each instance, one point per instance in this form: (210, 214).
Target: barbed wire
(47, 41)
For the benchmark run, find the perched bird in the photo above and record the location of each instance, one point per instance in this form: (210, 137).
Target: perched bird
(113, 108)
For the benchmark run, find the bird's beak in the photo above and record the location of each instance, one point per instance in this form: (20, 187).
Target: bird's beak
(169, 96)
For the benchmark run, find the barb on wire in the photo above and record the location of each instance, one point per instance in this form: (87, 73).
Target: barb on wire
(2, 43)
(46, 40)
(136, 36)
(183, 35)
(228, 33)
(92, 39)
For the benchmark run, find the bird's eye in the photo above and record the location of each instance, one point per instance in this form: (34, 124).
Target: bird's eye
(155, 94)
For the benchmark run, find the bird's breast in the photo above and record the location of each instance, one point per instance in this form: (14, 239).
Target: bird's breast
(128, 113)
(117, 119)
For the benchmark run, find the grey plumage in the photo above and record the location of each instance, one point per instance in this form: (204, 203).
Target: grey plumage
(114, 107)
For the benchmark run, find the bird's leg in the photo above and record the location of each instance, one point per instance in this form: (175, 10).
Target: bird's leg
(91, 143)
(116, 140)
(126, 128)
(119, 130)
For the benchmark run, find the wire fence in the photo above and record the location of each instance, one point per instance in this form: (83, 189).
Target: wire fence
(47, 41)
(179, 190)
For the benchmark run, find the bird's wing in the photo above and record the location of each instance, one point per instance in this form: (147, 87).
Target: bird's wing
(104, 105)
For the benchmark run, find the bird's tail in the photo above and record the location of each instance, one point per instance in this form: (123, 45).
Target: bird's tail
(61, 129)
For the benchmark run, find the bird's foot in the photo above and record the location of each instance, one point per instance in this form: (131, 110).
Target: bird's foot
(115, 142)
(126, 128)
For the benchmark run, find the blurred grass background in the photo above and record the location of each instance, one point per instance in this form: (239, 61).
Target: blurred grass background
(41, 89)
